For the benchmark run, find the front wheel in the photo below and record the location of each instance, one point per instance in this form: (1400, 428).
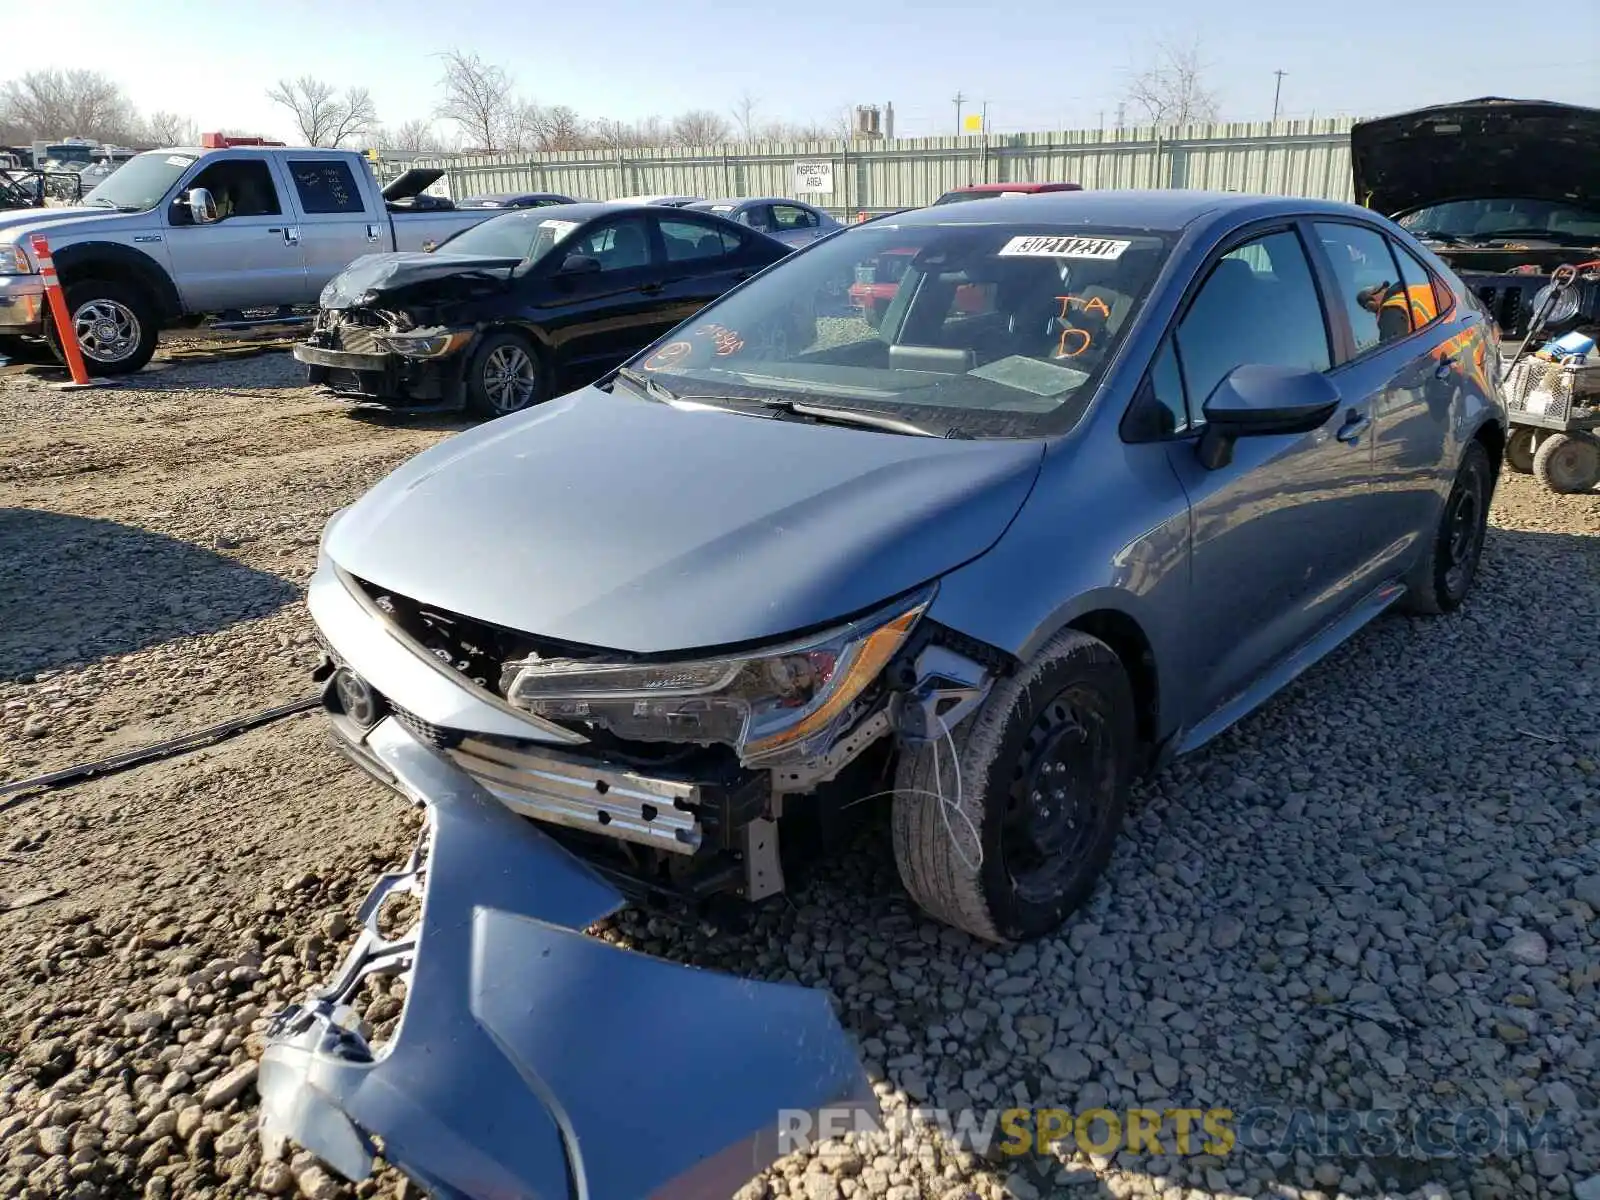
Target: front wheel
(1441, 581)
(504, 376)
(116, 327)
(1003, 828)
(1568, 463)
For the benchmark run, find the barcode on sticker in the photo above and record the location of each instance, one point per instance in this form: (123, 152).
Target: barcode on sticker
(1064, 247)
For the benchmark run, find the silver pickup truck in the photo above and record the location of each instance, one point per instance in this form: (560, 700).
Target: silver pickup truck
(177, 236)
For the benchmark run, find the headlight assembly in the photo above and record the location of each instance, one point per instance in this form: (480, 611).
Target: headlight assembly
(14, 260)
(783, 703)
(432, 343)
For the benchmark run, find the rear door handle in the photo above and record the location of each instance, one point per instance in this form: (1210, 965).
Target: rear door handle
(1354, 426)
(1442, 369)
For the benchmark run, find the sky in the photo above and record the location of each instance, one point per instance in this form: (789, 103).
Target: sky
(1035, 65)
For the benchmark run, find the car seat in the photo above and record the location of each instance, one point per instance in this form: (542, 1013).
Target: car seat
(628, 248)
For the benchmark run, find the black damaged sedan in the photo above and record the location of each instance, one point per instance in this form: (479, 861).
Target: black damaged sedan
(524, 306)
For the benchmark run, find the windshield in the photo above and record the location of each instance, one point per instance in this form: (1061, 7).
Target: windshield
(142, 182)
(1471, 220)
(523, 233)
(993, 330)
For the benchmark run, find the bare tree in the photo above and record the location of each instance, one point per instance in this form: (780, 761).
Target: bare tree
(55, 103)
(324, 117)
(169, 129)
(699, 127)
(415, 136)
(1171, 89)
(744, 117)
(477, 97)
(626, 135)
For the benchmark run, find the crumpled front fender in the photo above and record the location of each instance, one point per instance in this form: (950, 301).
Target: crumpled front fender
(532, 1060)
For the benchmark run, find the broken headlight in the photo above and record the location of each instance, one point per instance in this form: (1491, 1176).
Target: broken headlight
(786, 702)
(426, 343)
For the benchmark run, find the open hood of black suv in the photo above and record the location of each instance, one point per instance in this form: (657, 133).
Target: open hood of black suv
(1484, 149)
(414, 181)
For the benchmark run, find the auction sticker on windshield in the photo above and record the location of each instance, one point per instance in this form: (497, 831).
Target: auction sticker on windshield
(560, 228)
(1064, 247)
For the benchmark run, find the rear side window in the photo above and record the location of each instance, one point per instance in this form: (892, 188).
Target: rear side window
(788, 216)
(686, 240)
(1428, 296)
(325, 186)
(1368, 283)
(1259, 304)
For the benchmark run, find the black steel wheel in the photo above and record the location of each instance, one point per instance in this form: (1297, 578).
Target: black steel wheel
(1441, 581)
(1033, 787)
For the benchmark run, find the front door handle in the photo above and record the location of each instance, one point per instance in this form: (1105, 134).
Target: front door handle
(651, 289)
(291, 233)
(1354, 426)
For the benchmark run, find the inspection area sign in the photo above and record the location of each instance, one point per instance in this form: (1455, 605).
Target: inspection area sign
(815, 178)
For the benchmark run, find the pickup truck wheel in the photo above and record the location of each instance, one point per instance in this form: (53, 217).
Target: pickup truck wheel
(1041, 774)
(116, 327)
(504, 376)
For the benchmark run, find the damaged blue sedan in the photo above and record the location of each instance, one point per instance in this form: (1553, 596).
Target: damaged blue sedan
(1107, 471)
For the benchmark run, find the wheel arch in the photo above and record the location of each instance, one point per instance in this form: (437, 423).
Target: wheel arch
(120, 264)
(1130, 643)
(1492, 435)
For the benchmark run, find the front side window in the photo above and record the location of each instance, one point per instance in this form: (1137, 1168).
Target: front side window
(618, 245)
(998, 330)
(241, 187)
(1259, 304)
(1367, 283)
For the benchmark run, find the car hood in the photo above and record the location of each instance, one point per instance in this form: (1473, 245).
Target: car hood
(610, 521)
(1477, 150)
(373, 275)
(42, 220)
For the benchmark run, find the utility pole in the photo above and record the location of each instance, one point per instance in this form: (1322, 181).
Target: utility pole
(1122, 113)
(985, 119)
(1277, 89)
(958, 99)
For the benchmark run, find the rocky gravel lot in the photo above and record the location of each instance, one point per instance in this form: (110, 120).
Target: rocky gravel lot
(1380, 893)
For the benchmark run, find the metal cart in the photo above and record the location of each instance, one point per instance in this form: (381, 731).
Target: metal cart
(1554, 410)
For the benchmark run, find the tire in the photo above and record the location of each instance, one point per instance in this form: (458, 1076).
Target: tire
(505, 375)
(117, 327)
(1440, 582)
(1070, 708)
(1520, 449)
(1568, 463)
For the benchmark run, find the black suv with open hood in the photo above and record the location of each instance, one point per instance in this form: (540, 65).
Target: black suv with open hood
(1503, 190)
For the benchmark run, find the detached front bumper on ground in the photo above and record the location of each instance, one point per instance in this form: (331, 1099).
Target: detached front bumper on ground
(530, 1059)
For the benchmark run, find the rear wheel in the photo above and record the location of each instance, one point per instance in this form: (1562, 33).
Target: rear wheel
(504, 376)
(1442, 580)
(1519, 450)
(116, 326)
(1003, 828)
(1568, 463)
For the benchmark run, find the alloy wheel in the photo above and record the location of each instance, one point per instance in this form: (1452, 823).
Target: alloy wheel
(107, 330)
(510, 378)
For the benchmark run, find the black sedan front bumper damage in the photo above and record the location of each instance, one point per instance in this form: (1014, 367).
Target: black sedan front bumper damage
(379, 378)
(531, 1060)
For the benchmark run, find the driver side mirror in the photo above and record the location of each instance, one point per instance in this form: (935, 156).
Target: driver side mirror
(1256, 400)
(202, 206)
(579, 264)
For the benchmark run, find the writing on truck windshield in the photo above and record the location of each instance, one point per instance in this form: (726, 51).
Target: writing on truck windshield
(995, 330)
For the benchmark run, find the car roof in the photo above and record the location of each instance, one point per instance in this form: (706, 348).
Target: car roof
(1158, 209)
(582, 210)
(511, 195)
(1016, 187)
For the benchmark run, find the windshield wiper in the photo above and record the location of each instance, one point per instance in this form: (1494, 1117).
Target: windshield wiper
(828, 415)
(1435, 235)
(650, 387)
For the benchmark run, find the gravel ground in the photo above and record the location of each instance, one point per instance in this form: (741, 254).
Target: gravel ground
(1382, 892)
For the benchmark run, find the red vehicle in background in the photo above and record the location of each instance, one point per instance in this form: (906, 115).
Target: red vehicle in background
(983, 191)
(877, 281)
